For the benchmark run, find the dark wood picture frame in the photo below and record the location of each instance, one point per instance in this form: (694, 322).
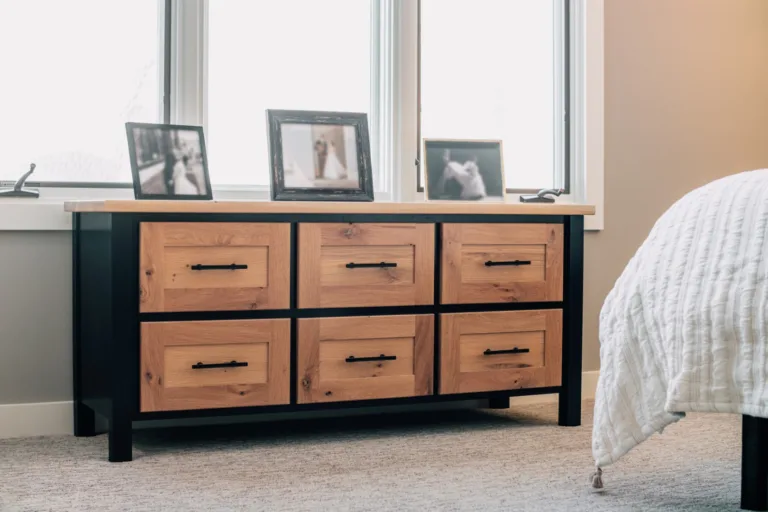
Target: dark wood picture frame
(136, 166)
(279, 192)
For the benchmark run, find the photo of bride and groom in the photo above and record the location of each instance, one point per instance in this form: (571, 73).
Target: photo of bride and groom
(168, 161)
(319, 156)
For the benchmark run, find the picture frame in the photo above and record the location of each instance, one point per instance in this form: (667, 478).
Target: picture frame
(168, 162)
(319, 156)
(464, 170)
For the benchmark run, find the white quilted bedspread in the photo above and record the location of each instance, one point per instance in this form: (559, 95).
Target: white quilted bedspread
(685, 327)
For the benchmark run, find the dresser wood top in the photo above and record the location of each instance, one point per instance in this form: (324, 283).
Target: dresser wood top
(436, 208)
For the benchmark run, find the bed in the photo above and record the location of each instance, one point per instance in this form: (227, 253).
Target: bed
(685, 328)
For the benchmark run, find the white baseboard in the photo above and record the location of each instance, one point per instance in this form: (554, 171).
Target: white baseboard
(36, 419)
(55, 418)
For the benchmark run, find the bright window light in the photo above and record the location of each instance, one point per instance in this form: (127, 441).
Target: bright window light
(291, 54)
(488, 72)
(73, 72)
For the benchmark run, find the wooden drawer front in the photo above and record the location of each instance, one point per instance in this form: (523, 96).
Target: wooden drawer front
(502, 263)
(330, 256)
(172, 280)
(500, 351)
(189, 365)
(334, 358)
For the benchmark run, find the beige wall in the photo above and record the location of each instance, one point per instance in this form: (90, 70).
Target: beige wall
(686, 102)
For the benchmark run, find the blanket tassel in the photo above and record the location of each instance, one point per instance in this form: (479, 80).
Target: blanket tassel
(596, 479)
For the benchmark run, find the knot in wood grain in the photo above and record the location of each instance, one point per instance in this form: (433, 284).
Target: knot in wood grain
(305, 382)
(351, 232)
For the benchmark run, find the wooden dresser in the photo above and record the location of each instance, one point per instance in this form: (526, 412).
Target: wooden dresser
(186, 309)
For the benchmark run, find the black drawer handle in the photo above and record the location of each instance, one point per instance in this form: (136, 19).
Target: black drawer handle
(507, 263)
(231, 364)
(489, 352)
(382, 357)
(383, 264)
(232, 266)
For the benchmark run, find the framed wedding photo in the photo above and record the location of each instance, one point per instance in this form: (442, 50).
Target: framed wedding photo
(464, 170)
(168, 161)
(319, 156)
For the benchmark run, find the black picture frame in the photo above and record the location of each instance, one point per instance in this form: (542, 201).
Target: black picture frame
(280, 192)
(138, 165)
(488, 154)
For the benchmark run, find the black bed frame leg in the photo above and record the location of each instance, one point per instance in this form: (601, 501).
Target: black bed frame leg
(754, 463)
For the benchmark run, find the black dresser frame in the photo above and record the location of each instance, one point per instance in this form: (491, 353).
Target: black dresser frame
(106, 318)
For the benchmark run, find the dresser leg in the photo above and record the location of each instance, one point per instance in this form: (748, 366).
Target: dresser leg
(573, 276)
(120, 441)
(754, 463)
(569, 410)
(498, 402)
(85, 420)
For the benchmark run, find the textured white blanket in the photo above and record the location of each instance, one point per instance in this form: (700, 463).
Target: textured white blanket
(685, 328)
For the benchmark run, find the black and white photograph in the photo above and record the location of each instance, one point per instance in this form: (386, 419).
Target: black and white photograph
(464, 170)
(320, 156)
(168, 161)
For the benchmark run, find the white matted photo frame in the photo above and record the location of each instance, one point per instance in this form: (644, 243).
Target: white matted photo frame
(319, 156)
(168, 161)
(464, 170)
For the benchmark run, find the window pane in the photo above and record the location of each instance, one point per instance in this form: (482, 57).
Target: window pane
(488, 72)
(74, 72)
(291, 54)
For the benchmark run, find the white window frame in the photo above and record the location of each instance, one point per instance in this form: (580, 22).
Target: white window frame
(392, 120)
(587, 108)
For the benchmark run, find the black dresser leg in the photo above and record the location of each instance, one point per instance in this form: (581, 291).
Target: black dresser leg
(754, 463)
(120, 441)
(570, 393)
(85, 420)
(124, 353)
(569, 413)
(498, 402)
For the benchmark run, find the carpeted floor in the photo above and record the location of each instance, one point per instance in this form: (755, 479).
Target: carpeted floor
(446, 460)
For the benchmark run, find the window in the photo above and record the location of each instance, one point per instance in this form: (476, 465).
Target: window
(491, 69)
(264, 55)
(73, 73)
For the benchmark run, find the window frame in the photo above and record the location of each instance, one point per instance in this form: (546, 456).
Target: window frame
(562, 140)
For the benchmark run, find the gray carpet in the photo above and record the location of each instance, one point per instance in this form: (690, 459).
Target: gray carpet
(445, 460)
